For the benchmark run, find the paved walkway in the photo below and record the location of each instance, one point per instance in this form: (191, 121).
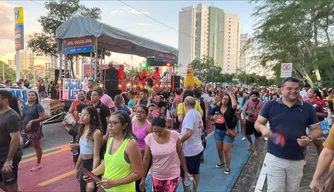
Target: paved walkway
(57, 173)
(311, 159)
(213, 179)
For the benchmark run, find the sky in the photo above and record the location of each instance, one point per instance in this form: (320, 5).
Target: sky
(119, 15)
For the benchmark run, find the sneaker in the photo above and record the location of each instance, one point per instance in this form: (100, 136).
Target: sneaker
(243, 139)
(305, 163)
(227, 171)
(220, 165)
(36, 167)
(266, 138)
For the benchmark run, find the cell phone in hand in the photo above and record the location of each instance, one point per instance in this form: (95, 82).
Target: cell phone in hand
(91, 175)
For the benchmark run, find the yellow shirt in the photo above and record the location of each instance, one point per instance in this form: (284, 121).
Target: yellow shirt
(115, 168)
(181, 109)
(332, 99)
(329, 143)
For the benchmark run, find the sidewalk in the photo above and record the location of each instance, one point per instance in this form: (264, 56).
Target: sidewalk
(249, 177)
(213, 179)
(311, 159)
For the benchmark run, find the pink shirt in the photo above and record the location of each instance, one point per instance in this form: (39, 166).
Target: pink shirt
(165, 160)
(107, 100)
(251, 105)
(140, 133)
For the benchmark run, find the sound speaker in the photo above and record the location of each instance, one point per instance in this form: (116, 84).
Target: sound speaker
(111, 84)
(110, 74)
(56, 76)
(113, 93)
(176, 80)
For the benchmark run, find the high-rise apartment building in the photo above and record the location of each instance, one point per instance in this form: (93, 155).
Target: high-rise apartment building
(26, 60)
(193, 35)
(244, 52)
(210, 32)
(231, 51)
(216, 35)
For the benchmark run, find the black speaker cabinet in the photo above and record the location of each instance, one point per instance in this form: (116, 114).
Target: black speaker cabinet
(111, 84)
(176, 82)
(110, 74)
(113, 93)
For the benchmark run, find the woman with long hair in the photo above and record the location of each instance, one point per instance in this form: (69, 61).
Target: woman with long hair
(32, 115)
(315, 98)
(90, 139)
(223, 116)
(120, 104)
(141, 127)
(122, 164)
(164, 149)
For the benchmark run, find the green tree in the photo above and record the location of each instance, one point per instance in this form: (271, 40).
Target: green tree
(10, 73)
(297, 32)
(206, 69)
(44, 43)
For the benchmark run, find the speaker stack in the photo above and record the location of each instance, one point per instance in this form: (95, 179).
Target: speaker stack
(175, 82)
(111, 82)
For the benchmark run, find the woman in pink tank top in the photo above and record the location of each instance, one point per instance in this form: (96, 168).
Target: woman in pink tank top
(141, 127)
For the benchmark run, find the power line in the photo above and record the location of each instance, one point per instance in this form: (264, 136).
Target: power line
(154, 18)
(37, 2)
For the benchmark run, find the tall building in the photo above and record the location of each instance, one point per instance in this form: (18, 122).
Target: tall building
(244, 52)
(216, 35)
(26, 60)
(231, 50)
(193, 35)
(210, 32)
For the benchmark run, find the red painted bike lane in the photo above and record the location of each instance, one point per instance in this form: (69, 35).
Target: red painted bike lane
(56, 174)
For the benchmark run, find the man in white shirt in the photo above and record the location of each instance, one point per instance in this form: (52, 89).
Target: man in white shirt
(191, 141)
(303, 93)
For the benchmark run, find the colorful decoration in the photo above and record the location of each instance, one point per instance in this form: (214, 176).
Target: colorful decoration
(191, 81)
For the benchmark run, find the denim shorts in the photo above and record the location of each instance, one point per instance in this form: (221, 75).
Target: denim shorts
(220, 136)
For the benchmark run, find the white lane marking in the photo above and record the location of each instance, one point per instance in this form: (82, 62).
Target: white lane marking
(262, 177)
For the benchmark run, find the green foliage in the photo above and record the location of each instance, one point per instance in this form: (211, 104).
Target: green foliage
(298, 32)
(206, 70)
(253, 79)
(10, 73)
(58, 12)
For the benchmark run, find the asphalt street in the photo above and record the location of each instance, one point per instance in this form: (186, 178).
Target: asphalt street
(54, 135)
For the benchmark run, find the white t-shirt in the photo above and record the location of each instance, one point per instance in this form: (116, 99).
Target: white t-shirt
(206, 97)
(303, 94)
(193, 120)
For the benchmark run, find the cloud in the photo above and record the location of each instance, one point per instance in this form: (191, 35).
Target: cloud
(116, 11)
(128, 10)
(7, 20)
(144, 24)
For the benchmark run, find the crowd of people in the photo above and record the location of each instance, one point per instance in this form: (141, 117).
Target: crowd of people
(163, 131)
